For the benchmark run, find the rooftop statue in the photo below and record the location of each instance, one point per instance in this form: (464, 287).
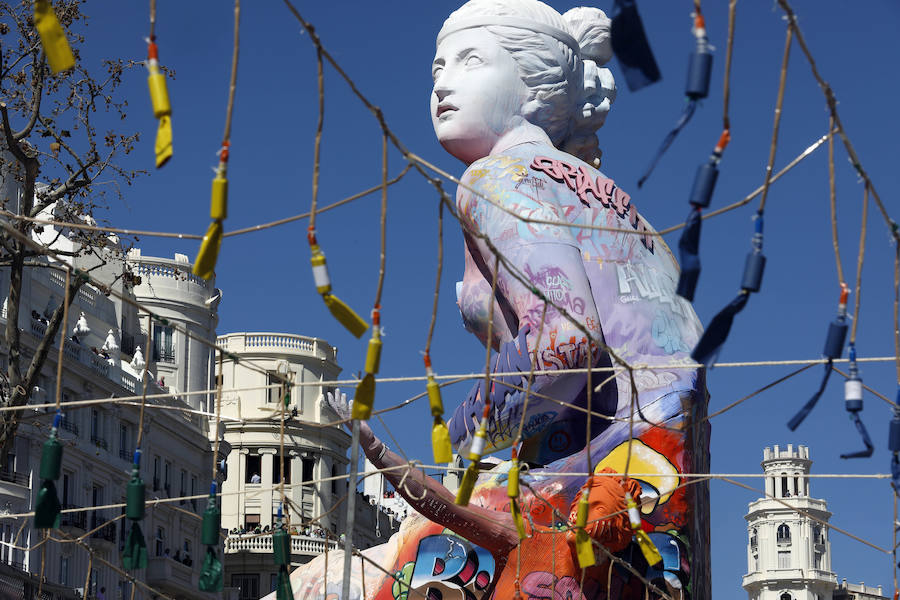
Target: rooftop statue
(519, 93)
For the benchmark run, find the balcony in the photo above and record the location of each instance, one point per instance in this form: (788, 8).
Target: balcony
(262, 544)
(74, 519)
(168, 574)
(99, 442)
(67, 424)
(105, 532)
(278, 343)
(126, 454)
(13, 477)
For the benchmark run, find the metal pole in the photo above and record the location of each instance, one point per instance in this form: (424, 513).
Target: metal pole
(351, 510)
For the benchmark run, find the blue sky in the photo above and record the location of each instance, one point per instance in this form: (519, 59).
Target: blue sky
(387, 48)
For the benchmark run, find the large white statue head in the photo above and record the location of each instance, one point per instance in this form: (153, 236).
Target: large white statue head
(501, 64)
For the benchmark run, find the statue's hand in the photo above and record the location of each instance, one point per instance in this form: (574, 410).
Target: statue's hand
(339, 404)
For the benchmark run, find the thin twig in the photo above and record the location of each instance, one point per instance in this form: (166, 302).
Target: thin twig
(778, 104)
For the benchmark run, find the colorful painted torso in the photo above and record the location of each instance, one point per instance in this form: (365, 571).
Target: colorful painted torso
(616, 282)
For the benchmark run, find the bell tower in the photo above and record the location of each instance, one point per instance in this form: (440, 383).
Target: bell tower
(788, 549)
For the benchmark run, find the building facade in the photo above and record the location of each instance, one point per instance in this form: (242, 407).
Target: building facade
(789, 547)
(102, 337)
(313, 462)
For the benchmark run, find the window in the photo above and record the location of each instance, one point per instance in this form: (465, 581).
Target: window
(251, 521)
(163, 343)
(797, 490)
(194, 491)
(273, 393)
(753, 539)
(334, 481)
(273, 581)
(309, 465)
(160, 541)
(785, 596)
(95, 424)
(183, 488)
(783, 535)
(276, 469)
(785, 493)
(254, 467)
(818, 535)
(155, 473)
(248, 584)
(66, 484)
(784, 559)
(167, 481)
(818, 559)
(126, 451)
(6, 538)
(64, 570)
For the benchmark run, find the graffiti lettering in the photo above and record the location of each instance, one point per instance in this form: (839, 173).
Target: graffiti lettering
(605, 191)
(647, 283)
(541, 585)
(450, 564)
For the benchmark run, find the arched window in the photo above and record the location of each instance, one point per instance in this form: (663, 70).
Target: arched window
(783, 536)
(753, 538)
(785, 596)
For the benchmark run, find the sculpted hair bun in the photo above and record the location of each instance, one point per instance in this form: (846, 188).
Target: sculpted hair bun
(590, 28)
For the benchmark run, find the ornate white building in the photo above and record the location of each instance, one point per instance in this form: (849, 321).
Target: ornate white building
(789, 551)
(103, 335)
(314, 459)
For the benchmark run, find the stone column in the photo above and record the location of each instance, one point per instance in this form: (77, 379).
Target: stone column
(234, 507)
(296, 474)
(266, 497)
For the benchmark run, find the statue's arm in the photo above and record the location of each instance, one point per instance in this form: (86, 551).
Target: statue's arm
(490, 529)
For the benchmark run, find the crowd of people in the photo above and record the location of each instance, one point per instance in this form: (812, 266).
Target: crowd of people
(316, 532)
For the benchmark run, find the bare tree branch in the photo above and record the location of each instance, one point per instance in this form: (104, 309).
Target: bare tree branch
(37, 91)
(11, 142)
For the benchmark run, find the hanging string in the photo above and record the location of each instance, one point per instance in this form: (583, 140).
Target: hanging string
(320, 78)
(364, 399)
(62, 342)
(140, 435)
(859, 263)
(383, 223)
(726, 87)
(87, 578)
(437, 283)
(219, 377)
(779, 102)
(853, 386)
(205, 263)
(478, 439)
(833, 201)
(528, 391)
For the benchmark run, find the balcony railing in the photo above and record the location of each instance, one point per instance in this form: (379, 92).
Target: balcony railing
(75, 519)
(67, 424)
(13, 477)
(126, 454)
(277, 342)
(99, 442)
(106, 532)
(255, 543)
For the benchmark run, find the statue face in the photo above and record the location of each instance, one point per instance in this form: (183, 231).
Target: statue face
(477, 93)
